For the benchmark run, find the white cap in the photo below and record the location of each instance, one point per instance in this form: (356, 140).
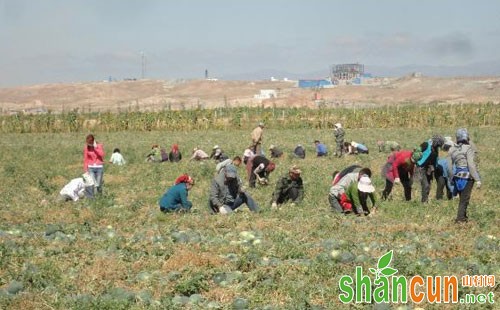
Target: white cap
(215, 147)
(365, 184)
(338, 125)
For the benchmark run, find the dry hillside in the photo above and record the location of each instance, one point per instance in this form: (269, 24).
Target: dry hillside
(158, 94)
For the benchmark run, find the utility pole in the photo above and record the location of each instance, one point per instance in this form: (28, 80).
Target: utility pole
(143, 65)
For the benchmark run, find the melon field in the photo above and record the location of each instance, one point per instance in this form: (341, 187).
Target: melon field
(119, 251)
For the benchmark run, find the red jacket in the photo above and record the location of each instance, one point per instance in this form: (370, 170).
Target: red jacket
(401, 159)
(93, 156)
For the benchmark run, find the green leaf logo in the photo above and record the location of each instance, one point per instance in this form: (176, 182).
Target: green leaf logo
(383, 269)
(385, 260)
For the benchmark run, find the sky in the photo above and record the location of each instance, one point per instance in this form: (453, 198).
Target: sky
(54, 41)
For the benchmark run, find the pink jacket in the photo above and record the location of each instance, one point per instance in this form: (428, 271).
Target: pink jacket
(399, 159)
(93, 156)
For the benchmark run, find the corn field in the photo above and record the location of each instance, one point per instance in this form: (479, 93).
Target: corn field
(408, 116)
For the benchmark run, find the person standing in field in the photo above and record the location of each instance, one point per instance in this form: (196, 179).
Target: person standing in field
(399, 169)
(339, 134)
(117, 158)
(93, 163)
(289, 187)
(462, 166)
(257, 134)
(176, 197)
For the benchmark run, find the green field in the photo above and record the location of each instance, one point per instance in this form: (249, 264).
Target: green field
(119, 251)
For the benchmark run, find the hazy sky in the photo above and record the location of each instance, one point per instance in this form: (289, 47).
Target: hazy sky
(80, 40)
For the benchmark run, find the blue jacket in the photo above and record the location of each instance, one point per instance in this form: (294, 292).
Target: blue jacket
(175, 198)
(321, 149)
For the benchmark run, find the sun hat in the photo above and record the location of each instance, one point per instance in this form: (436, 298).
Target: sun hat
(261, 124)
(88, 179)
(271, 147)
(365, 184)
(338, 125)
(462, 135)
(295, 169)
(216, 147)
(437, 140)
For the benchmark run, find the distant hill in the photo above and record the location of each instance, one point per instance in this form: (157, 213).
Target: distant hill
(184, 94)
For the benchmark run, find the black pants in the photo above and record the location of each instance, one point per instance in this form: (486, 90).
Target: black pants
(290, 194)
(463, 202)
(441, 183)
(404, 176)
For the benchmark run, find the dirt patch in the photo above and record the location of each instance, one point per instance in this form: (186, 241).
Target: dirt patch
(156, 95)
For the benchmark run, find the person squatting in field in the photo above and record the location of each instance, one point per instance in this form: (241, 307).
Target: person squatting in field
(321, 149)
(348, 195)
(227, 193)
(77, 188)
(275, 151)
(357, 194)
(217, 154)
(289, 187)
(176, 197)
(174, 155)
(199, 154)
(355, 148)
(117, 158)
(299, 152)
(388, 146)
(462, 167)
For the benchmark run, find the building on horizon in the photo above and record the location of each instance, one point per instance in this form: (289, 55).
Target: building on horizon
(347, 71)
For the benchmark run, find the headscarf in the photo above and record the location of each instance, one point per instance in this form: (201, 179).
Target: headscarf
(462, 135)
(437, 141)
(175, 148)
(185, 178)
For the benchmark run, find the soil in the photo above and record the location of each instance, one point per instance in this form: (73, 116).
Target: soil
(155, 95)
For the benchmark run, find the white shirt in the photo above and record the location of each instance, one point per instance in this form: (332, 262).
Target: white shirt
(117, 159)
(74, 189)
